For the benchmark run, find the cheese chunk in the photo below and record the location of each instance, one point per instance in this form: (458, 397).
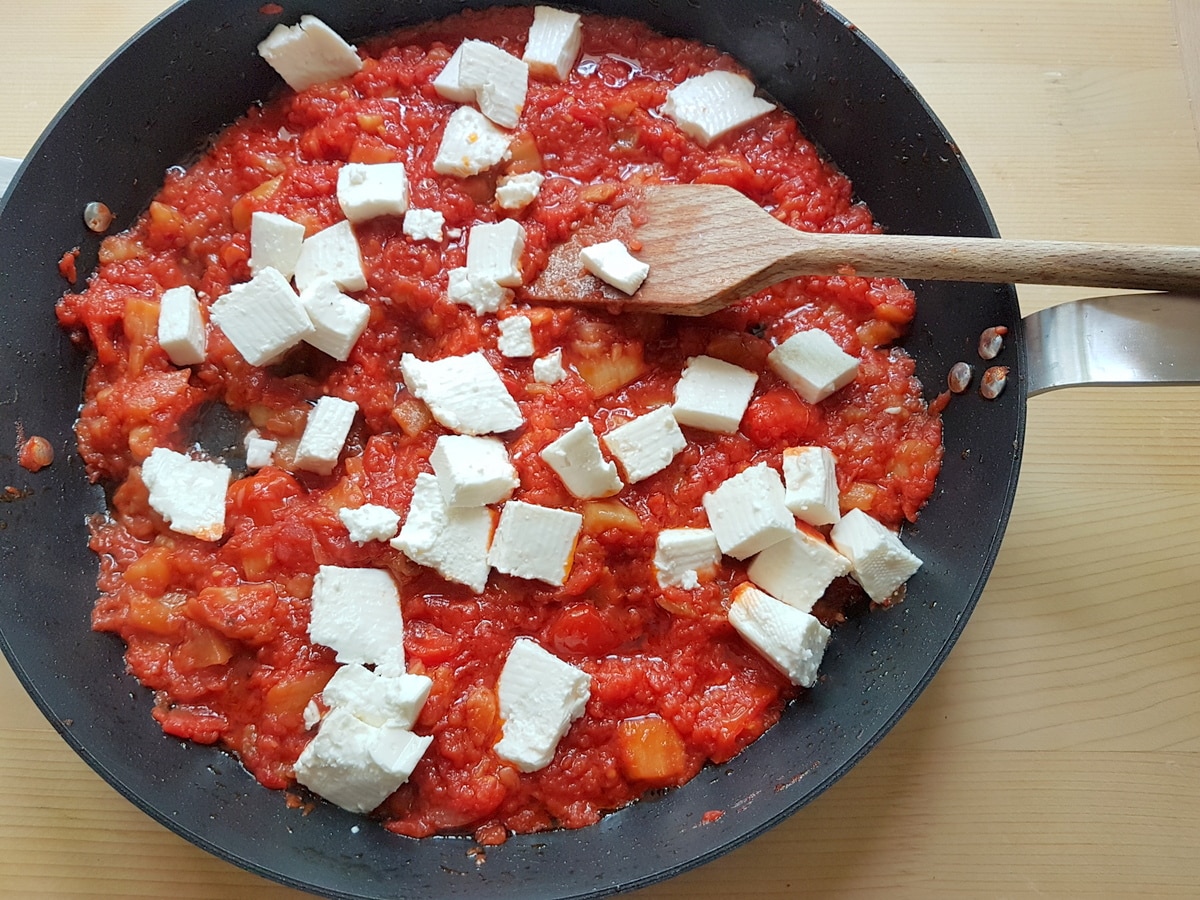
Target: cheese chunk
(793, 641)
(463, 393)
(747, 513)
(813, 364)
(308, 53)
(260, 452)
(181, 331)
(682, 555)
(325, 434)
(554, 41)
(262, 318)
(576, 458)
(356, 613)
(376, 698)
(480, 292)
(715, 103)
(494, 251)
(549, 369)
(473, 471)
(810, 484)
(275, 243)
(535, 542)
(370, 522)
(453, 541)
(188, 493)
(369, 191)
(356, 765)
(879, 562)
(499, 81)
(612, 263)
(540, 696)
(338, 321)
(470, 144)
(518, 191)
(647, 444)
(331, 254)
(516, 337)
(713, 394)
(424, 224)
(798, 569)
(448, 83)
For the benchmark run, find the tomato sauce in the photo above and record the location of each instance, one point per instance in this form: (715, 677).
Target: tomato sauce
(218, 631)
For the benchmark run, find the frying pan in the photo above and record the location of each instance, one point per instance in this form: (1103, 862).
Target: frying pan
(902, 164)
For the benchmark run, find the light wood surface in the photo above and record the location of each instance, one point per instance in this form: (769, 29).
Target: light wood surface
(1058, 751)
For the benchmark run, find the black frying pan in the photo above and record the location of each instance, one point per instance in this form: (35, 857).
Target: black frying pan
(196, 70)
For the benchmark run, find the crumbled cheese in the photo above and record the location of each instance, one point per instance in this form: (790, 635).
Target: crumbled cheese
(539, 696)
(479, 292)
(473, 471)
(356, 613)
(746, 512)
(370, 522)
(331, 254)
(424, 224)
(554, 41)
(713, 394)
(366, 191)
(518, 191)
(308, 53)
(879, 561)
(793, 641)
(325, 434)
(536, 542)
(259, 451)
(549, 369)
(494, 251)
(516, 337)
(647, 444)
(275, 243)
(188, 493)
(181, 331)
(463, 393)
(576, 458)
(813, 364)
(453, 541)
(470, 144)
(262, 318)
(682, 555)
(710, 105)
(612, 263)
(338, 321)
(499, 81)
(810, 484)
(798, 569)
(376, 698)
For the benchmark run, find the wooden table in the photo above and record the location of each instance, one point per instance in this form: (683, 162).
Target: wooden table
(1058, 751)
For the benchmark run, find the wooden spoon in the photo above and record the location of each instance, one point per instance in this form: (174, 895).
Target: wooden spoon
(708, 246)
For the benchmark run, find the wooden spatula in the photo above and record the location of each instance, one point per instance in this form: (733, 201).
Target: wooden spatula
(708, 246)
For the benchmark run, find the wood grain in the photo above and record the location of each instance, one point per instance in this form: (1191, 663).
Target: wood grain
(1056, 752)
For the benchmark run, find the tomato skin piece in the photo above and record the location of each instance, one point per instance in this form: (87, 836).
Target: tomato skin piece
(779, 415)
(580, 630)
(261, 496)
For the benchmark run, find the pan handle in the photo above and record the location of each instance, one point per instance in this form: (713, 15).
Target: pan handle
(1128, 339)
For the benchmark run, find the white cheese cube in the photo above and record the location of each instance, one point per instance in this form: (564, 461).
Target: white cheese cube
(682, 555)
(516, 337)
(188, 493)
(331, 254)
(813, 364)
(370, 522)
(448, 84)
(262, 318)
(375, 698)
(480, 292)
(260, 452)
(368, 191)
(710, 105)
(494, 251)
(325, 434)
(878, 561)
(798, 569)
(355, 765)
(308, 53)
(554, 41)
(470, 144)
(549, 368)
(473, 471)
(181, 331)
(499, 80)
(464, 393)
(793, 641)
(810, 484)
(540, 696)
(356, 613)
(338, 321)
(612, 263)
(576, 459)
(647, 444)
(424, 225)
(713, 394)
(275, 243)
(518, 191)
(453, 541)
(535, 542)
(747, 513)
